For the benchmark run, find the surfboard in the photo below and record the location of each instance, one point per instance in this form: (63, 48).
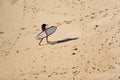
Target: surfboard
(49, 31)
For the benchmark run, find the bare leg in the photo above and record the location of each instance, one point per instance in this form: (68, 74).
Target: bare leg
(40, 41)
(47, 39)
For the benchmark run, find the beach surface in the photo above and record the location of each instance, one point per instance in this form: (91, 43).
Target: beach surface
(86, 42)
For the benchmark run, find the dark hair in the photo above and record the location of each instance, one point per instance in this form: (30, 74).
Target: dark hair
(43, 25)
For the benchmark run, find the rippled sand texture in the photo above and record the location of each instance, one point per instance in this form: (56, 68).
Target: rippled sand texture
(86, 43)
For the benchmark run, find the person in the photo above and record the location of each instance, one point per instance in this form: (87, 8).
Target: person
(43, 27)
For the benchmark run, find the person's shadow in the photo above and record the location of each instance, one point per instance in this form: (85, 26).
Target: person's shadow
(63, 40)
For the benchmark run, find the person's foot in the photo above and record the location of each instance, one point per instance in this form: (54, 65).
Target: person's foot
(48, 41)
(39, 44)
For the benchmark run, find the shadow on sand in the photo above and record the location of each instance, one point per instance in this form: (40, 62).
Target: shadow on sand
(63, 40)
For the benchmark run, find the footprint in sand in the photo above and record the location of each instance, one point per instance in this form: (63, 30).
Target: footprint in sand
(13, 2)
(73, 53)
(17, 51)
(58, 24)
(1, 33)
(22, 28)
(100, 11)
(34, 26)
(75, 49)
(67, 22)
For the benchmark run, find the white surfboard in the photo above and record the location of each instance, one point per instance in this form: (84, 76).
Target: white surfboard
(49, 31)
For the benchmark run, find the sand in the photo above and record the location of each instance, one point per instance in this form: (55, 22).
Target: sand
(87, 40)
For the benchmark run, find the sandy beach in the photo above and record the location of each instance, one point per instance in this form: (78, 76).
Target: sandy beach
(87, 40)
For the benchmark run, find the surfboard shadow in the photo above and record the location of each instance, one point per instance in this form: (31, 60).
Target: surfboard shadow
(63, 40)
